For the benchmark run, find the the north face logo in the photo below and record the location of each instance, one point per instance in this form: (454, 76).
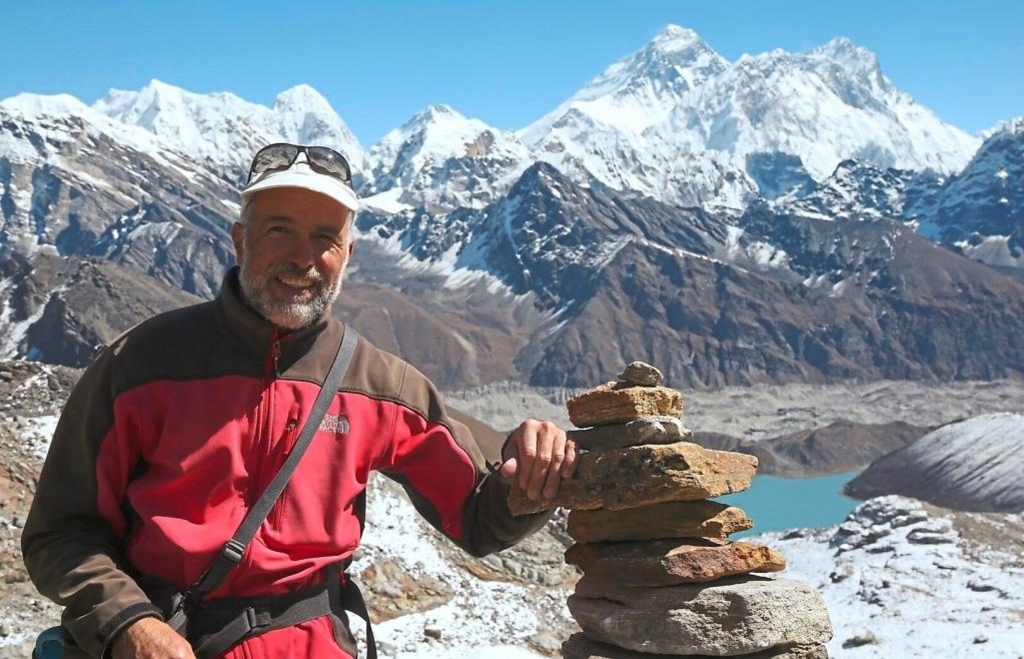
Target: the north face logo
(336, 424)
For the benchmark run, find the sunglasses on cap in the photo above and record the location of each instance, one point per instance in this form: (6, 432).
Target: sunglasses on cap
(279, 157)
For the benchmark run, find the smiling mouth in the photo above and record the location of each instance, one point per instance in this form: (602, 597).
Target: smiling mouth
(297, 284)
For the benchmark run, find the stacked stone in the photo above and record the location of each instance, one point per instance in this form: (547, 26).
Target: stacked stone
(661, 577)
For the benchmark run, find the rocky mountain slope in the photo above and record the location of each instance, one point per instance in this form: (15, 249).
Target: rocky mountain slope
(76, 182)
(976, 211)
(58, 310)
(970, 465)
(980, 211)
(775, 297)
(841, 446)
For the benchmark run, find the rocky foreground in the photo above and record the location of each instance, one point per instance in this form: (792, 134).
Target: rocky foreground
(900, 578)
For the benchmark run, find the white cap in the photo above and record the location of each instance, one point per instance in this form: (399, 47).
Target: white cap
(299, 175)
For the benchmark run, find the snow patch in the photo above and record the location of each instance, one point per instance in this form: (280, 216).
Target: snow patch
(993, 250)
(39, 431)
(904, 575)
(500, 611)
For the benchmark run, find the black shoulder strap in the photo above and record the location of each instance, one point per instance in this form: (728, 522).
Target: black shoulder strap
(232, 552)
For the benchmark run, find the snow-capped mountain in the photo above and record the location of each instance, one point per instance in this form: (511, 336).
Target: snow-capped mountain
(443, 160)
(74, 181)
(858, 190)
(623, 128)
(694, 129)
(980, 210)
(596, 217)
(224, 130)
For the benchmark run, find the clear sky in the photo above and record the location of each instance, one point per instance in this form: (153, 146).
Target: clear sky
(504, 62)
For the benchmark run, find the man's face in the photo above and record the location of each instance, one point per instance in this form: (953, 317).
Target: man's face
(292, 251)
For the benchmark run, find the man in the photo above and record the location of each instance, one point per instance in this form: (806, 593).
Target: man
(177, 427)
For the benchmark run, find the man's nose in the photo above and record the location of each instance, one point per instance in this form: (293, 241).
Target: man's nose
(302, 254)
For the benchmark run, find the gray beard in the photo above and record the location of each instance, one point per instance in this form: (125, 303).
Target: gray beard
(287, 315)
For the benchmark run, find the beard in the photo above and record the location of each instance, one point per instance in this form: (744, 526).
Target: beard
(291, 314)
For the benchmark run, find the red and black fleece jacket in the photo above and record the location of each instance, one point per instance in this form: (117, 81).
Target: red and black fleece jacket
(177, 427)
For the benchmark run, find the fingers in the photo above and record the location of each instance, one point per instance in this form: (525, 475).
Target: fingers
(544, 462)
(569, 465)
(509, 468)
(541, 457)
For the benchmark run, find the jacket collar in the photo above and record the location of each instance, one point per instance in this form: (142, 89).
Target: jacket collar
(254, 332)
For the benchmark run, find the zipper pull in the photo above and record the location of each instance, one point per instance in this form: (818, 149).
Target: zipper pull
(291, 434)
(277, 356)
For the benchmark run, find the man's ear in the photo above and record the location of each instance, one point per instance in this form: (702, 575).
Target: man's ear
(351, 246)
(238, 238)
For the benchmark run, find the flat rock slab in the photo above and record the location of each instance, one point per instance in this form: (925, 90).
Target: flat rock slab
(648, 430)
(614, 402)
(578, 646)
(742, 615)
(667, 563)
(619, 479)
(677, 519)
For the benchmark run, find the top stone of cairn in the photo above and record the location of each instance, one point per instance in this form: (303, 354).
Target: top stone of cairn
(640, 374)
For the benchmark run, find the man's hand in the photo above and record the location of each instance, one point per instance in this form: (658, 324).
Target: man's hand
(150, 638)
(538, 456)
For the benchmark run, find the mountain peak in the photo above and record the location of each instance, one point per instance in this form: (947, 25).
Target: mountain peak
(156, 86)
(144, 106)
(1011, 127)
(675, 38)
(651, 80)
(302, 98)
(156, 92)
(841, 49)
(40, 104)
(432, 116)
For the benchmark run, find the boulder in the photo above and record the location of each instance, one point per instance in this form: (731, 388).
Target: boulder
(742, 615)
(640, 374)
(578, 646)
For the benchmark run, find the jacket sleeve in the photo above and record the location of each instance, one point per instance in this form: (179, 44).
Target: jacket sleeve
(71, 547)
(444, 469)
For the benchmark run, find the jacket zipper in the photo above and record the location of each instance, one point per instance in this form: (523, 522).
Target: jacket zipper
(290, 436)
(265, 430)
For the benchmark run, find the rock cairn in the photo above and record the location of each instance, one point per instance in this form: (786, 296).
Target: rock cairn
(661, 577)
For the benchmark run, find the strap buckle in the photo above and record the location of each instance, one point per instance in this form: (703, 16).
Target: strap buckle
(233, 551)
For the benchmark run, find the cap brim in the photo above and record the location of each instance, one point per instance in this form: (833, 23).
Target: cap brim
(310, 180)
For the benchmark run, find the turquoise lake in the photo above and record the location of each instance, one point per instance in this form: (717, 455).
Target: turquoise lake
(777, 504)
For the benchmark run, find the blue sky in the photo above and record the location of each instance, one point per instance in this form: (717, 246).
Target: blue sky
(507, 63)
